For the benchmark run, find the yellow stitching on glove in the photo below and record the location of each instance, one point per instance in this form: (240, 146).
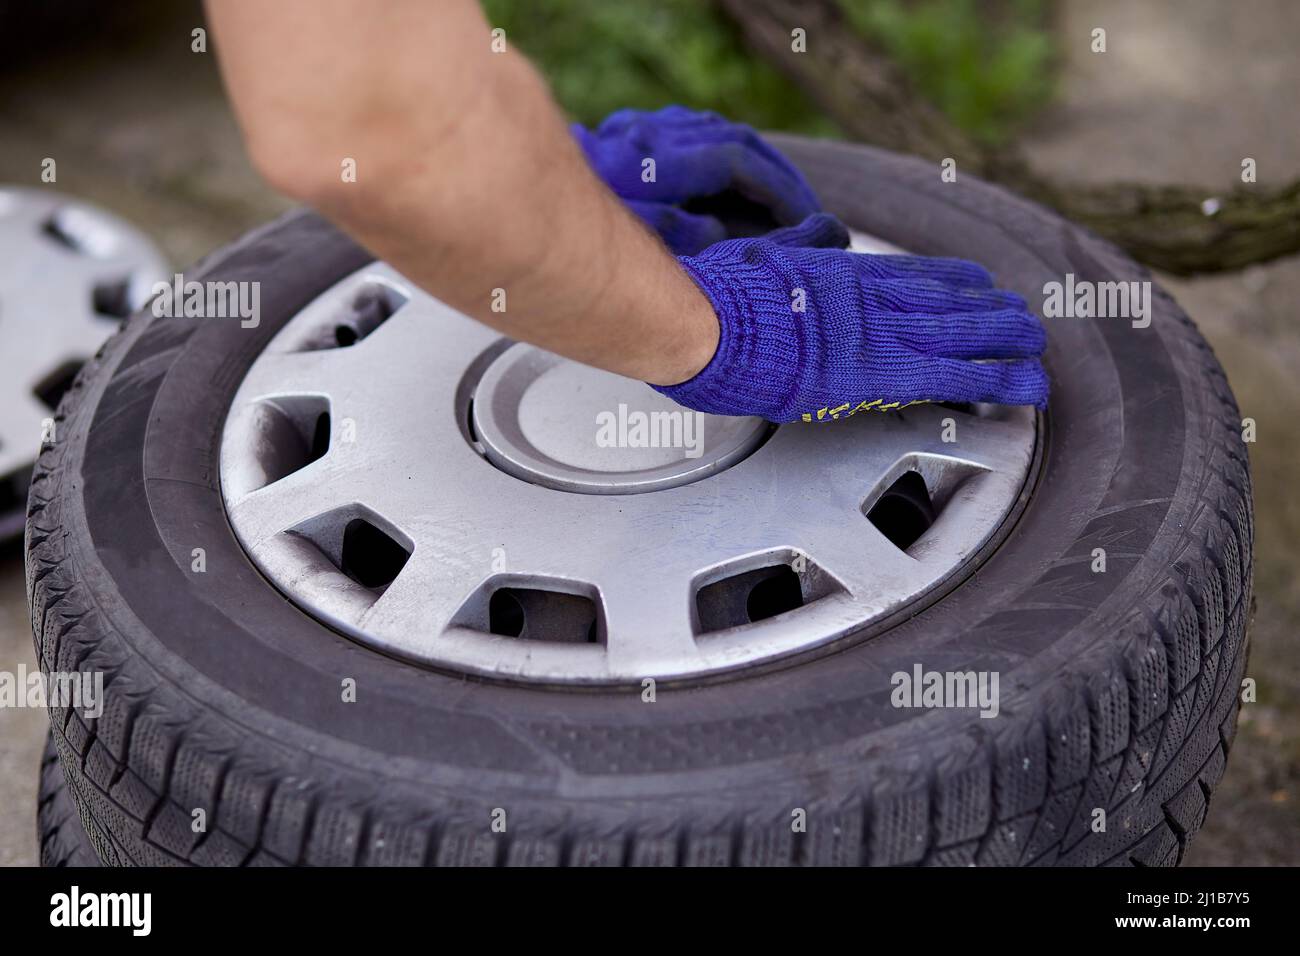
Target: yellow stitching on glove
(834, 413)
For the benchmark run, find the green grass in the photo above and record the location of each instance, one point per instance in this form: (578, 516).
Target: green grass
(988, 66)
(603, 55)
(988, 73)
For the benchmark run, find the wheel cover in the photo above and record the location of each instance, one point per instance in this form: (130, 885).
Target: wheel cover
(69, 273)
(438, 493)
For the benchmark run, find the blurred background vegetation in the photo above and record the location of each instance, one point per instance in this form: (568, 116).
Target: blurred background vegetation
(987, 65)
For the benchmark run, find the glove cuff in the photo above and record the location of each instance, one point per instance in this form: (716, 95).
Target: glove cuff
(753, 371)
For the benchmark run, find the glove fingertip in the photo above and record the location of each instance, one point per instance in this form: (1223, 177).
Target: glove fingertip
(820, 230)
(1039, 335)
(1026, 329)
(1033, 383)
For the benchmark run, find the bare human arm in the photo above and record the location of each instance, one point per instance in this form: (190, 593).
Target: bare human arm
(467, 179)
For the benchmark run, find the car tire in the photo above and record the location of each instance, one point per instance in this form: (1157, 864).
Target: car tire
(60, 834)
(1119, 686)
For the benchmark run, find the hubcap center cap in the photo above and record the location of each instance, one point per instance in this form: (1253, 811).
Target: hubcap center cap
(562, 425)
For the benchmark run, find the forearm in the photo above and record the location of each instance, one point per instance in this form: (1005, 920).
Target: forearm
(467, 180)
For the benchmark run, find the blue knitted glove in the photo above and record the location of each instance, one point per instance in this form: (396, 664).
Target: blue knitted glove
(875, 332)
(695, 155)
(685, 233)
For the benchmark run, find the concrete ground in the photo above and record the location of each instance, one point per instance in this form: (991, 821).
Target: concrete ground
(1185, 91)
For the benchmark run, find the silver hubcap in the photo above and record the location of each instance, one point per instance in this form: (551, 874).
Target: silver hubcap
(570, 427)
(68, 274)
(411, 479)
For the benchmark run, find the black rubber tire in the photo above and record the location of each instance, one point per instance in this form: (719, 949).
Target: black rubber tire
(60, 833)
(1119, 689)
